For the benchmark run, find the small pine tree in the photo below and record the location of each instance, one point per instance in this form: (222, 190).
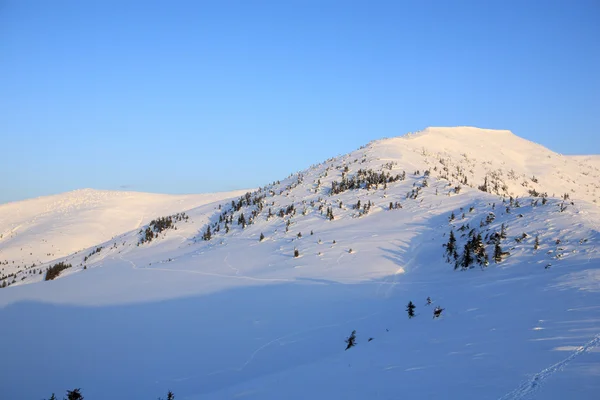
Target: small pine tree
(53, 397)
(74, 394)
(410, 308)
(170, 396)
(536, 245)
(207, 235)
(262, 237)
(479, 249)
(497, 252)
(503, 232)
(296, 253)
(450, 246)
(467, 258)
(351, 340)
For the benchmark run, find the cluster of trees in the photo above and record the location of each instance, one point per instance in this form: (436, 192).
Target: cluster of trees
(96, 251)
(366, 207)
(254, 199)
(330, 214)
(395, 206)
(364, 179)
(474, 251)
(156, 226)
(413, 194)
(493, 185)
(410, 309)
(55, 270)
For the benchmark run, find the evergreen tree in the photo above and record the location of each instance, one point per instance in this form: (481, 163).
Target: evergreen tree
(467, 258)
(503, 232)
(296, 253)
(262, 237)
(497, 251)
(74, 394)
(351, 340)
(410, 308)
(536, 245)
(207, 235)
(479, 249)
(170, 396)
(450, 246)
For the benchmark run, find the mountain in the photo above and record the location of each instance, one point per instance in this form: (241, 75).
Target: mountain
(43, 229)
(253, 297)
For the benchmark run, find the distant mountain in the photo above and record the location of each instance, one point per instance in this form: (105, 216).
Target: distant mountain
(256, 296)
(43, 229)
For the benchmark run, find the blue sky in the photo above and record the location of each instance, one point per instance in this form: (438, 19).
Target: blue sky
(201, 96)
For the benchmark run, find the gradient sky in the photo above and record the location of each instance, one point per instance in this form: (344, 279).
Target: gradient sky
(202, 96)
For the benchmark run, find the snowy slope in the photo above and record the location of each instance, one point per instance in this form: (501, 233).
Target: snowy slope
(237, 317)
(474, 154)
(43, 229)
(591, 161)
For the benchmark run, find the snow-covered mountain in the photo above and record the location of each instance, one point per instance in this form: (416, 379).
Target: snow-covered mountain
(252, 297)
(40, 230)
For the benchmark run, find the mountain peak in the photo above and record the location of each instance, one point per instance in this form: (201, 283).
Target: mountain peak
(460, 131)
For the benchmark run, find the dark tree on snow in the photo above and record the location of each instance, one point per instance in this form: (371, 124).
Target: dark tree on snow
(467, 257)
(351, 340)
(503, 232)
(451, 247)
(74, 394)
(410, 308)
(262, 237)
(498, 253)
(207, 235)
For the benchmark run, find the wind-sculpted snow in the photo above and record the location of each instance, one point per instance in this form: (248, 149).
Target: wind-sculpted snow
(223, 306)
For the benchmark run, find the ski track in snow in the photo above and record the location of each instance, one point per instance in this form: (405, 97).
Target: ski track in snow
(237, 271)
(527, 388)
(134, 266)
(289, 335)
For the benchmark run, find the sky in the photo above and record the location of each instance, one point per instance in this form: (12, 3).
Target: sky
(205, 96)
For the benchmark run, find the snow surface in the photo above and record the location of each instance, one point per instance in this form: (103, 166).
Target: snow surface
(235, 317)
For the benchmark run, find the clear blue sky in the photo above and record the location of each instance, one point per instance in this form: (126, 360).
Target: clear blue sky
(200, 96)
